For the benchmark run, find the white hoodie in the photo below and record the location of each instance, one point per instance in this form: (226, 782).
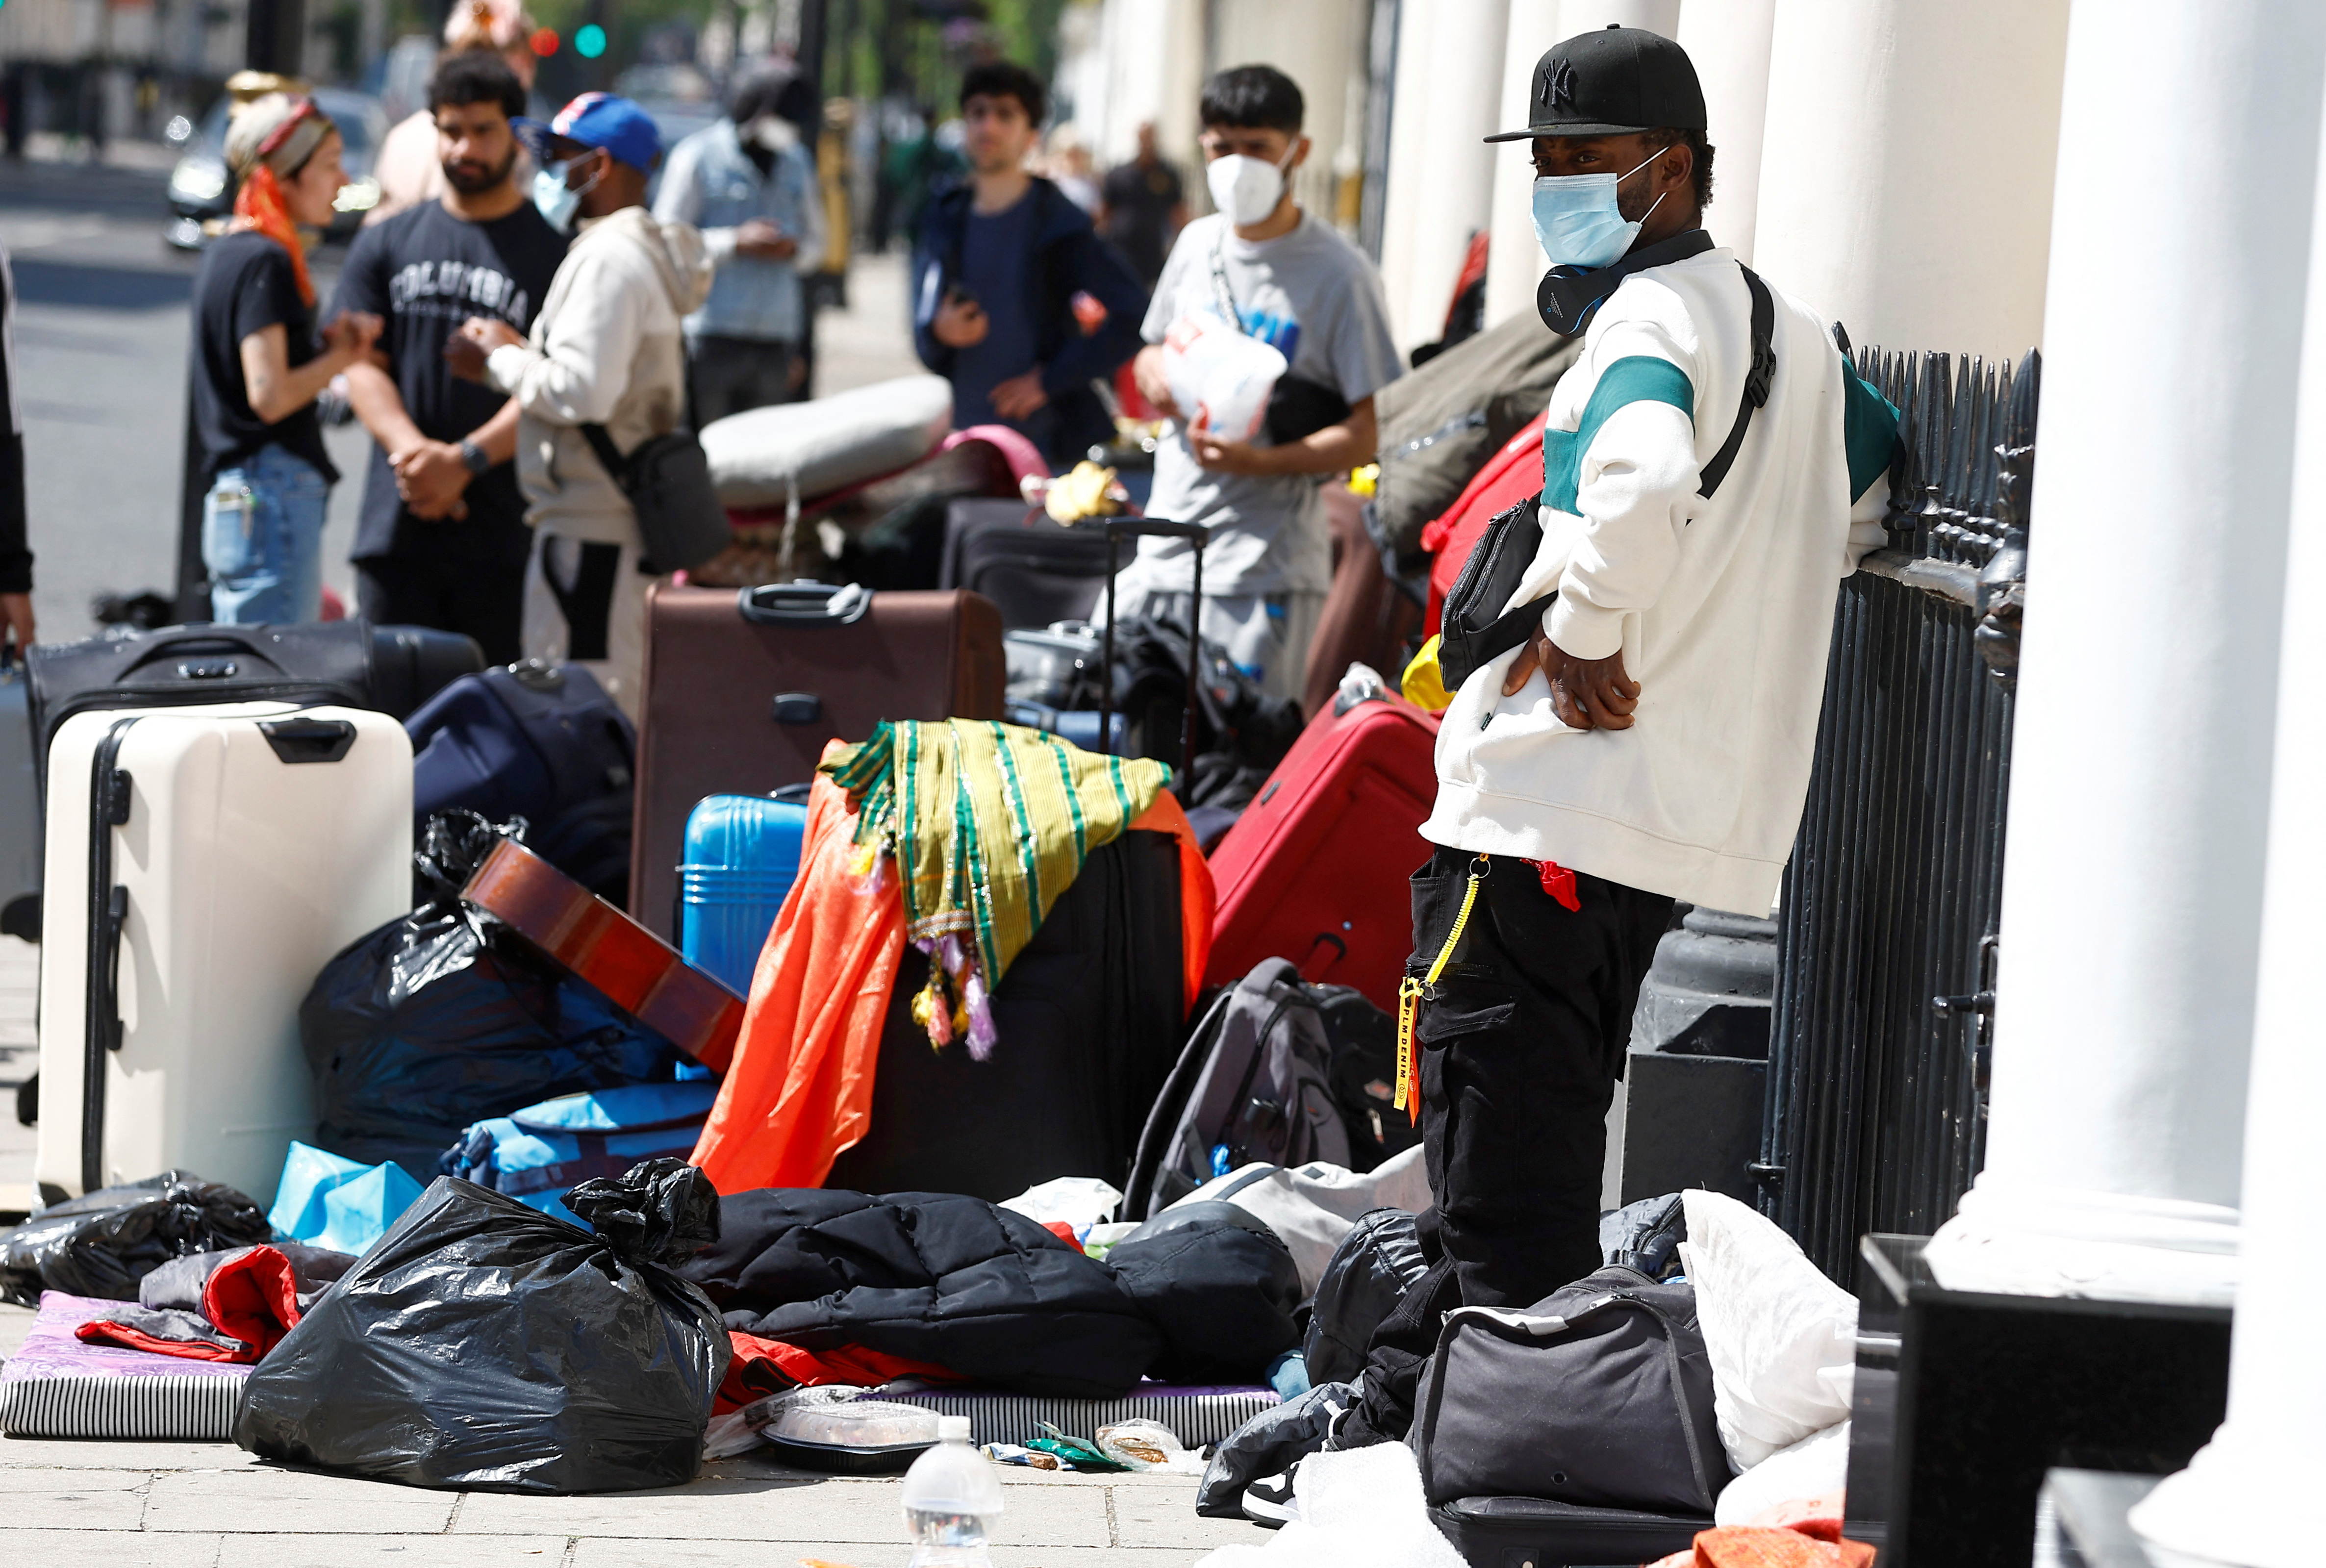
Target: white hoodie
(605, 350)
(1723, 608)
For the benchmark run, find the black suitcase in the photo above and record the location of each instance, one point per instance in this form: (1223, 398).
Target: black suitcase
(1038, 570)
(392, 670)
(1088, 1020)
(1508, 1531)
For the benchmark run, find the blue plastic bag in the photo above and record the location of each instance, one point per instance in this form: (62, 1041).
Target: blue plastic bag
(326, 1201)
(536, 1154)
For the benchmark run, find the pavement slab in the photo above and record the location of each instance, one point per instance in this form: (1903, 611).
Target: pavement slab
(402, 1552)
(297, 1502)
(38, 1548)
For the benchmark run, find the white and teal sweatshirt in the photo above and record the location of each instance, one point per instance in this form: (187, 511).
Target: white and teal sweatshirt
(1723, 608)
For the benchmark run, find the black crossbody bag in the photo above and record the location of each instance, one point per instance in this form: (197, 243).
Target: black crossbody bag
(1474, 631)
(668, 478)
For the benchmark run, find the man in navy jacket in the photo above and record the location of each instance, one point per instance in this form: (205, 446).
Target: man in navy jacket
(999, 266)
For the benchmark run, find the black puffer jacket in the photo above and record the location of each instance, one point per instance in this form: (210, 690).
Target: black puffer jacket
(933, 1278)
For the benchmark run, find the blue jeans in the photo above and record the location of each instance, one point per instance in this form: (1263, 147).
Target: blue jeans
(262, 540)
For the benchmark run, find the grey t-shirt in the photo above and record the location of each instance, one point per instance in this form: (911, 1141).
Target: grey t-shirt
(1318, 299)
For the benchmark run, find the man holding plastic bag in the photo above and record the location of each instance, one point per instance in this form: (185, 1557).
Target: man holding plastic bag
(1266, 340)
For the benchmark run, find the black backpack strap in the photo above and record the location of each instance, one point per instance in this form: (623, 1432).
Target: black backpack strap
(617, 466)
(1756, 381)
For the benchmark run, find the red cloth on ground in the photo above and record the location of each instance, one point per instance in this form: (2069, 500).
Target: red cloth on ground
(254, 1298)
(765, 1367)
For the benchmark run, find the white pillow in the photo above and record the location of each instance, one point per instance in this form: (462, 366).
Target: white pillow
(1816, 1465)
(1783, 1337)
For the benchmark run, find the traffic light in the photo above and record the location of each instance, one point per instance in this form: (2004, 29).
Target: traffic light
(543, 41)
(588, 41)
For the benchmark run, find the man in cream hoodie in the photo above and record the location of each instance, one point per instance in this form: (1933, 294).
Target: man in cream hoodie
(606, 350)
(1650, 739)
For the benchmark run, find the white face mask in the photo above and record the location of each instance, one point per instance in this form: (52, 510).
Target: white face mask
(1247, 189)
(773, 131)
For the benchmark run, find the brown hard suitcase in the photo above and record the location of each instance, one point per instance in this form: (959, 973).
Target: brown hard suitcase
(743, 689)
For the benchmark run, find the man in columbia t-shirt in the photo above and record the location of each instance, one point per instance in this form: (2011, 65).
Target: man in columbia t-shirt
(443, 540)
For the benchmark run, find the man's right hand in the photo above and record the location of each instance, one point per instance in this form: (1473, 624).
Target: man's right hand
(1146, 370)
(961, 323)
(756, 236)
(1585, 693)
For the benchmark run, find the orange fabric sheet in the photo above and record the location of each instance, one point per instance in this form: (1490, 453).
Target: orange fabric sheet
(799, 1090)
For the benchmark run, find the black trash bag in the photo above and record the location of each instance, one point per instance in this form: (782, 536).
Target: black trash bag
(1220, 1284)
(483, 1344)
(103, 1243)
(442, 1019)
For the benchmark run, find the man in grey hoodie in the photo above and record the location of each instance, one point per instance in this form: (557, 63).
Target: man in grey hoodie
(606, 350)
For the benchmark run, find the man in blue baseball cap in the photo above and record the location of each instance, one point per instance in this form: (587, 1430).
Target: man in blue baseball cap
(603, 373)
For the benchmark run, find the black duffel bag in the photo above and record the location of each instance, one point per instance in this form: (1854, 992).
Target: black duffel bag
(1599, 1395)
(681, 523)
(353, 663)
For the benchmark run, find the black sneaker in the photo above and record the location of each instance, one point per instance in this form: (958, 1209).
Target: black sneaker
(1270, 1501)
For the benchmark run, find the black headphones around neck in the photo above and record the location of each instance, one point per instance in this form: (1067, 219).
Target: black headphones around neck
(1568, 294)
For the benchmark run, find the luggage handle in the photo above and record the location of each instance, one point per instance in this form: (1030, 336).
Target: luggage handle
(1119, 529)
(206, 640)
(804, 604)
(303, 740)
(109, 795)
(1340, 952)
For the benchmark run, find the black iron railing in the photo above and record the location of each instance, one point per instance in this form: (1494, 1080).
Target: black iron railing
(1875, 1115)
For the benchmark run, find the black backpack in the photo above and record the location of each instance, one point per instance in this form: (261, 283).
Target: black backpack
(1370, 1270)
(1277, 1070)
(1473, 629)
(1599, 1395)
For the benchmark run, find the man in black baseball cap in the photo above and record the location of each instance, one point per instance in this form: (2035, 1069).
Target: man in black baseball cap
(1636, 666)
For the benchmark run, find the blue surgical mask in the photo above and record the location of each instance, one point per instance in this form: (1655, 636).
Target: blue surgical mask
(1577, 218)
(558, 204)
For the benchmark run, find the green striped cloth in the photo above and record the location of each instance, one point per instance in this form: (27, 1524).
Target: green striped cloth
(989, 823)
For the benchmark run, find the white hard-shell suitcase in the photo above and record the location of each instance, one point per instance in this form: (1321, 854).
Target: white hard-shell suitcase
(203, 864)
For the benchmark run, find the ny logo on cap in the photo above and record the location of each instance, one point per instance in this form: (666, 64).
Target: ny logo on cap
(1559, 85)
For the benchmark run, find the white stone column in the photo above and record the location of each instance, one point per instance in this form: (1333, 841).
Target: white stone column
(2141, 758)
(2241, 1502)
(1728, 39)
(1513, 260)
(1441, 171)
(1908, 195)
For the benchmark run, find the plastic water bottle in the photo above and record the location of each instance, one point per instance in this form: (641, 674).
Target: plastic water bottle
(952, 1496)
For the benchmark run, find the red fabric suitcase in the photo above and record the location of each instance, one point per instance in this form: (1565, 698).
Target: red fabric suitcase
(1314, 870)
(1510, 475)
(743, 687)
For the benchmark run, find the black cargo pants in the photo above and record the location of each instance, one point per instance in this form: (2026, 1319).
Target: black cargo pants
(1520, 1044)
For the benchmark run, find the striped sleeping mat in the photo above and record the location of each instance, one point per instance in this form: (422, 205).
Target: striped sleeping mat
(56, 1386)
(1196, 1416)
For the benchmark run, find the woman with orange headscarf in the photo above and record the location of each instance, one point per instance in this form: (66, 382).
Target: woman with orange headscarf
(259, 364)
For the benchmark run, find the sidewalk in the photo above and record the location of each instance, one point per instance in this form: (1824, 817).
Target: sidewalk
(198, 1505)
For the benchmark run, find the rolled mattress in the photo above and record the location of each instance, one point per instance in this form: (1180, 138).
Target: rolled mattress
(827, 444)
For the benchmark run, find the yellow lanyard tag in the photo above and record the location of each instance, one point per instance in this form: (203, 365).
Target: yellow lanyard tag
(1410, 995)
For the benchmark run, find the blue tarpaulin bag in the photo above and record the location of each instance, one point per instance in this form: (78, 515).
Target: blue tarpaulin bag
(537, 1154)
(325, 1200)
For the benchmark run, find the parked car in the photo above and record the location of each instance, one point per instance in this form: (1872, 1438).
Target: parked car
(201, 191)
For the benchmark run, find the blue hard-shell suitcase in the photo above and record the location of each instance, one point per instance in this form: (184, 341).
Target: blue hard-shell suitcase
(742, 855)
(538, 741)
